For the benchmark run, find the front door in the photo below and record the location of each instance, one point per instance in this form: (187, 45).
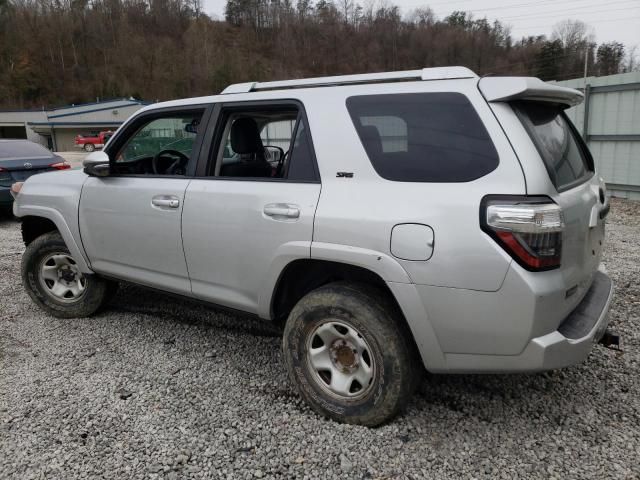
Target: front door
(252, 210)
(130, 221)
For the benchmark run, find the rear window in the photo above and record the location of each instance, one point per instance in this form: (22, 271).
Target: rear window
(423, 137)
(565, 156)
(21, 149)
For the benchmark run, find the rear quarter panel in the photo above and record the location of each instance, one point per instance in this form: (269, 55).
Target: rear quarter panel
(361, 211)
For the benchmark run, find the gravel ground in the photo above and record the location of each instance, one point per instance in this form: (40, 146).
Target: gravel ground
(156, 388)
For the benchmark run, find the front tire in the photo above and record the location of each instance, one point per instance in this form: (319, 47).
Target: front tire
(348, 354)
(54, 282)
(89, 147)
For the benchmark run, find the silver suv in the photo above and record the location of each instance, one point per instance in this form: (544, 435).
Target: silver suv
(388, 221)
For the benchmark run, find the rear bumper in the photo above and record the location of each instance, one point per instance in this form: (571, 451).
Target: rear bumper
(568, 345)
(6, 200)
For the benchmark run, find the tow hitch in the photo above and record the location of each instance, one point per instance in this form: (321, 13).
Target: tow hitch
(610, 340)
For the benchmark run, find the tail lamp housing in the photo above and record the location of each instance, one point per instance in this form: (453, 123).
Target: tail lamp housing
(60, 165)
(528, 228)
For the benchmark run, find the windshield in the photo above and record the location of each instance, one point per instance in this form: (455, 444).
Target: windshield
(565, 155)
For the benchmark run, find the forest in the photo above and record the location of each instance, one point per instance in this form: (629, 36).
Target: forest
(55, 52)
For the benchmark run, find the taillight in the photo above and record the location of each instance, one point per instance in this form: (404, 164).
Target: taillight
(60, 166)
(528, 228)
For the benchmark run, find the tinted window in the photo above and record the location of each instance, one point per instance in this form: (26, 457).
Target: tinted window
(423, 137)
(160, 146)
(168, 133)
(567, 161)
(264, 143)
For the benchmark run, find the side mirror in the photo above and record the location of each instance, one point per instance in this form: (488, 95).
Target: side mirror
(96, 164)
(274, 154)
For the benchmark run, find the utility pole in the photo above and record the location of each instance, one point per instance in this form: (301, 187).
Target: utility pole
(586, 63)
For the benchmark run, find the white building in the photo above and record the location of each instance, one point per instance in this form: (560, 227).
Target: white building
(58, 127)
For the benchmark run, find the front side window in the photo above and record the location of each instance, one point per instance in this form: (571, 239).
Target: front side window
(259, 143)
(423, 137)
(161, 146)
(567, 161)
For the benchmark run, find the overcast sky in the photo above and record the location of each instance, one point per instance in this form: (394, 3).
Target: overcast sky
(611, 20)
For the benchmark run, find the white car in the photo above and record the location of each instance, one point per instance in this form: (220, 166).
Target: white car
(389, 222)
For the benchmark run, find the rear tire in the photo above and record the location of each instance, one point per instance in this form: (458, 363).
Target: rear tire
(54, 282)
(347, 352)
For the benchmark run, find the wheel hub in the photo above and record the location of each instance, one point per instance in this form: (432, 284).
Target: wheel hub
(67, 274)
(344, 355)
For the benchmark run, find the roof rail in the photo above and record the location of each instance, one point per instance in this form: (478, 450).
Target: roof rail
(438, 73)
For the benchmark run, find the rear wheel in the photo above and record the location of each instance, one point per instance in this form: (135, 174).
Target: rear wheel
(55, 283)
(89, 147)
(348, 354)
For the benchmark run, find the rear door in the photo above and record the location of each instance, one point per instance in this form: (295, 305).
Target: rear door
(251, 209)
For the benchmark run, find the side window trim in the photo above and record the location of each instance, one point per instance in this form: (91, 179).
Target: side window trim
(134, 123)
(215, 129)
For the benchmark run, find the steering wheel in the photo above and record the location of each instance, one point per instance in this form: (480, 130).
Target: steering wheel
(173, 169)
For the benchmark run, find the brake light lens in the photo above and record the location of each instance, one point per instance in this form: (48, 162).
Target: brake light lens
(60, 166)
(528, 228)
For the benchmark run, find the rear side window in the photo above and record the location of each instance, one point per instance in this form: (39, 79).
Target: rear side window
(565, 156)
(423, 137)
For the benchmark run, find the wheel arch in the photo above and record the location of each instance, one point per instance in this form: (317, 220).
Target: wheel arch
(303, 275)
(41, 220)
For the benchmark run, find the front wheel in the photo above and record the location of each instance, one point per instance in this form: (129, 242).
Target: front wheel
(54, 282)
(89, 147)
(348, 354)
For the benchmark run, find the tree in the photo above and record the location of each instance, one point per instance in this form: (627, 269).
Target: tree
(609, 58)
(59, 51)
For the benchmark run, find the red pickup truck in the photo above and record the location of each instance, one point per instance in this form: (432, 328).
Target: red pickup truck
(91, 143)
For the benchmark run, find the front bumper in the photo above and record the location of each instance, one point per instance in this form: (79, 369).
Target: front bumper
(568, 345)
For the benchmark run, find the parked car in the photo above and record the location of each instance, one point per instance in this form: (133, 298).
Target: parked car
(89, 144)
(19, 159)
(428, 218)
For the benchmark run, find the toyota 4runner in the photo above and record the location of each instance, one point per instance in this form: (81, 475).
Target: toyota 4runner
(388, 221)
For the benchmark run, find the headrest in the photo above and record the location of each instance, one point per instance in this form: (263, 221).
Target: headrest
(245, 137)
(371, 138)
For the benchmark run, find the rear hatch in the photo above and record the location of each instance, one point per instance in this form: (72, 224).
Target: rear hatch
(532, 111)
(577, 191)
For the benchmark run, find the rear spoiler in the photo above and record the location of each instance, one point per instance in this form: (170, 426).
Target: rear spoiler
(505, 89)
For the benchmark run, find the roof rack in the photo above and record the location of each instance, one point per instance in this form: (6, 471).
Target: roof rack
(439, 73)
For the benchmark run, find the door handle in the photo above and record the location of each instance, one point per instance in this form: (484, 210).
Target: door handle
(165, 201)
(281, 210)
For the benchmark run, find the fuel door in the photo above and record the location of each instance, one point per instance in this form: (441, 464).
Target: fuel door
(412, 241)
